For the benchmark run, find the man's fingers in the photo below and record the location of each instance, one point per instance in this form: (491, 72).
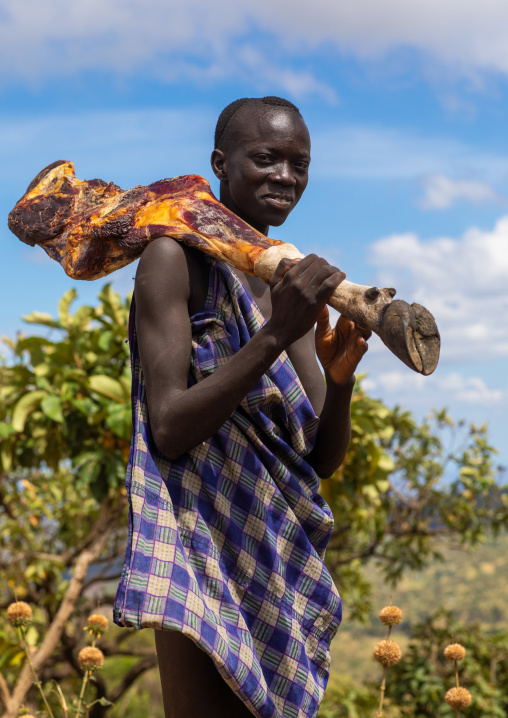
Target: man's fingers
(321, 276)
(344, 323)
(283, 266)
(312, 271)
(324, 317)
(363, 344)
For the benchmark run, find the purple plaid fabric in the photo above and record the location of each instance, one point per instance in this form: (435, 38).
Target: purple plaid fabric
(226, 544)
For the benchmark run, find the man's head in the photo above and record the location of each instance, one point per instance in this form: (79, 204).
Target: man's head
(261, 156)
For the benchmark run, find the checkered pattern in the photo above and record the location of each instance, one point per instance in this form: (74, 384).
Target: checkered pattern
(227, 543)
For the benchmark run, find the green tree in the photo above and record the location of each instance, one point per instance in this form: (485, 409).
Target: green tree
(64, 443)
(406, 490)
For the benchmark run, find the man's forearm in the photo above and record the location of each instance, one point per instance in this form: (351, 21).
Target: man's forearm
(334, 431)
(184, 419)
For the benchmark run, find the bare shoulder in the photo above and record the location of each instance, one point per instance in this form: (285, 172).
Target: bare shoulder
(171, 275)
(162, 258)
(161, 287)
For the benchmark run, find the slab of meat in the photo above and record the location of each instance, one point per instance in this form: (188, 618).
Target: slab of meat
(93, 227)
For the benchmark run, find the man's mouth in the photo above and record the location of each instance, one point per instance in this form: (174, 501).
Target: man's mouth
(279, 200)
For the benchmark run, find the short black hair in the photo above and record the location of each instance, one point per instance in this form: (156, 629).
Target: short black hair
(221, 131)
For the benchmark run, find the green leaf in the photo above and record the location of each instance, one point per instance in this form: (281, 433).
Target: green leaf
(104, 702)
(105, 340)
(17, 658)
(24, 407)
(385, 463)
(42, 318)
(108, 387)
(82, 317)
(42, 369)
(119, 420)
(468, 471)
(32, 636)
(33, 343)
(63, 307)
(383, 485)
(85, 405)
(52, 407)
(6, 457)
(126, 382)
(6, 430)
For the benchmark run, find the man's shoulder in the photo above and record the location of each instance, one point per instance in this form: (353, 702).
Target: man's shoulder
(169, 252)
(171, 267)
(165, 250)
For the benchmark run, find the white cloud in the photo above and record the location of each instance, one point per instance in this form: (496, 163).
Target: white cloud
(441, 192)
(463, 282)
(166, 36)
(161, 39)
(297, 84)
(436, 390)
(363, 152)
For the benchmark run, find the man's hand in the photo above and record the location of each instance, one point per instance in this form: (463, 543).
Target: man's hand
(340, 349)
(299, 291)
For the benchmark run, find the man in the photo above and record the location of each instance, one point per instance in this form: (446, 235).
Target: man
(227, 529)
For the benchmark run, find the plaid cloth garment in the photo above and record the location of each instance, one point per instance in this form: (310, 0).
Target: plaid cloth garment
(227, 543)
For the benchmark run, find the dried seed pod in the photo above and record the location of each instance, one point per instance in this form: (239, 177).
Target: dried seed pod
(458, 698)
(390, 615)
(454, 652)
(90, 658)
(97, 624)
(19, 613)
(387, 652)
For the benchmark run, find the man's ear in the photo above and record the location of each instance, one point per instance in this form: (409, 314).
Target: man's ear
(218, 162)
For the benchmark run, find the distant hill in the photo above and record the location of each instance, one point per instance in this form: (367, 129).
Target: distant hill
(473, 584)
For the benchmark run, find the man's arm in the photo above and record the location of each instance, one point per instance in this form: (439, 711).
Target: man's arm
(181, 418)
(339, 350)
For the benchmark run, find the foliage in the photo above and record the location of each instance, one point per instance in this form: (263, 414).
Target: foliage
(403, 485)
(64, 442)
(344, 699)
(65, 436)
(416, 686)
(69, 396)
(418, 683)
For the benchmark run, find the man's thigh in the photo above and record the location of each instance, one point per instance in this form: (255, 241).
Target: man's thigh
(191, 685)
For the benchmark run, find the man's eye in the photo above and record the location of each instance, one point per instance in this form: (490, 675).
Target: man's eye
(301, 166)
(264, 158)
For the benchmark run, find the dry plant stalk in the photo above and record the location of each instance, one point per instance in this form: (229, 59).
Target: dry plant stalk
(457, 697)
(111, 513)
(19, 615)
(90, 658)
(387, 652)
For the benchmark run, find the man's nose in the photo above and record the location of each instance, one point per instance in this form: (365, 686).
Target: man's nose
(283, 174)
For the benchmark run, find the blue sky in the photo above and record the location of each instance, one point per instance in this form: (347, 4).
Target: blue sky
(406, 103)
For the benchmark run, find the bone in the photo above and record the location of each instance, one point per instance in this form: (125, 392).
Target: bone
(408, 330)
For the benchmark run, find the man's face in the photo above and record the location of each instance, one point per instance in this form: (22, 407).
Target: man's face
(264, 171)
